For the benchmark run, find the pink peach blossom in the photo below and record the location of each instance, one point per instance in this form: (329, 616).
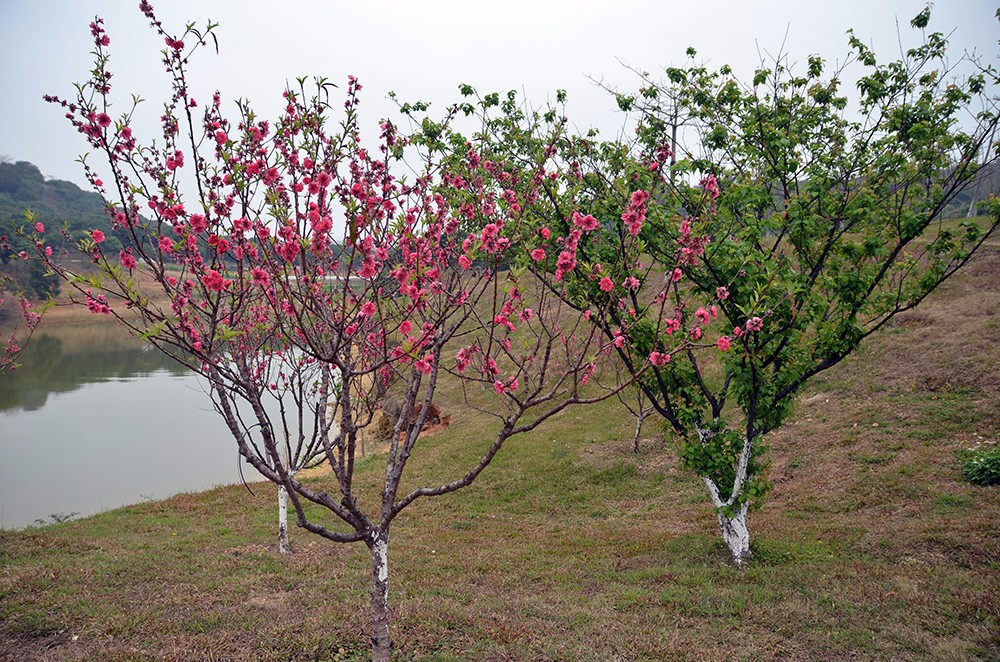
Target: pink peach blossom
(659, 359)
(127, 259)
(259, 276)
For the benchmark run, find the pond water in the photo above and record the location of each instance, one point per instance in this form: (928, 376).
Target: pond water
(94, 420)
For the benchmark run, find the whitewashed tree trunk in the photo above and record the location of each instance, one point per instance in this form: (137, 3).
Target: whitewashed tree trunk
(734, 529)
(283, 546)
(381, 642)
(736, 534)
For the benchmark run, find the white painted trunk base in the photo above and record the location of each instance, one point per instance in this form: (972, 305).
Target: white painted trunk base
(734, 529)
(283, 546)
(381, 642)
(736, 535)
(380, 558)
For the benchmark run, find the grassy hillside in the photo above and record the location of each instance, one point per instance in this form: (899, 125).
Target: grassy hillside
(23, 187)
(571, 547)
(60, 206)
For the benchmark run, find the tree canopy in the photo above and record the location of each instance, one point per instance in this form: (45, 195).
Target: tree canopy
(803, 218)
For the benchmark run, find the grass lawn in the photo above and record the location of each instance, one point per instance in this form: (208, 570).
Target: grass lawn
(572, 547)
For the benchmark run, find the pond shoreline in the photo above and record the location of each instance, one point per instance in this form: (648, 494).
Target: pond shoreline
(106, 421)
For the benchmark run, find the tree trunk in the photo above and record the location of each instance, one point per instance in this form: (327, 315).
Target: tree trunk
(977, 179)
(638, 428)
(736, 534)
(381, 643)
(673, 143)
(283, 546)
(734, 528)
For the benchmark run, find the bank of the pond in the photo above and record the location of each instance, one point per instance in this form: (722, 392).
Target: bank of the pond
(870, 546)
(94, 420)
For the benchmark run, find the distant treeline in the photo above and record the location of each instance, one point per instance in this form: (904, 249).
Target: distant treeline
(57, 204)
(985, 184)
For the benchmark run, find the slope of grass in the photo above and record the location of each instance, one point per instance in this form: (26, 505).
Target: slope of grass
(571, 547)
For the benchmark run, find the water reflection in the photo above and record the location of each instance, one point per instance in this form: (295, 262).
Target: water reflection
(93, 420)
(63, 358)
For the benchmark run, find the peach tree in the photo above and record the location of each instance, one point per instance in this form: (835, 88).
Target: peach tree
(793, 224)
(290, 264)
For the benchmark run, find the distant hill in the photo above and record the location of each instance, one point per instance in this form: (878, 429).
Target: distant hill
(57, 204)
(984, 184)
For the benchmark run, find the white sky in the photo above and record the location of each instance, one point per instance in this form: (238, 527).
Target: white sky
(423, 49)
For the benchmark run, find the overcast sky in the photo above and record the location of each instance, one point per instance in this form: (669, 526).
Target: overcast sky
(423, 49)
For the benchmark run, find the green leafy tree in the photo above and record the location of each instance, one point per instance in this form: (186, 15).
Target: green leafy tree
(60, 205)
(803, 222)
(816, 222)
(19, 274)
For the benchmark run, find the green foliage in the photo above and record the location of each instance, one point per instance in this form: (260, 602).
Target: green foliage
(55, 518)
(54, 202)
(68, 213)
(27, 277)
(824, 227)
(716, 457)
(825, 223)
(981, 465)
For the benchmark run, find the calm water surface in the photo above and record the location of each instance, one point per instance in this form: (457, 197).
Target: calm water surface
(94, 420)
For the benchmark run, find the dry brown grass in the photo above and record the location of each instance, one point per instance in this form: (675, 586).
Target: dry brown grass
(571, 547)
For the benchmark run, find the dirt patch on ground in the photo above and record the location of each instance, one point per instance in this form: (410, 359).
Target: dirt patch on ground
(952, 339)
(69, 305)
(656, 455)
(867, 444)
